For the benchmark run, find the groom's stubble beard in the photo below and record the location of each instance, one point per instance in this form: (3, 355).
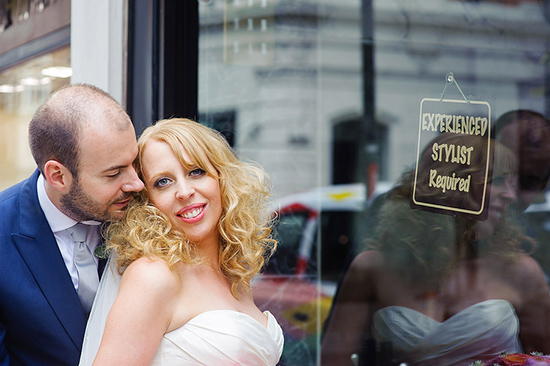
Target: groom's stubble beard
(81, 207)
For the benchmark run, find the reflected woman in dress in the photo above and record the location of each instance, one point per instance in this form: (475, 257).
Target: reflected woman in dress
(188, 248)
(442, 288)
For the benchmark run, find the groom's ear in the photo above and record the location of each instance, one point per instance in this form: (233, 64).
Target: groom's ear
(58, 176)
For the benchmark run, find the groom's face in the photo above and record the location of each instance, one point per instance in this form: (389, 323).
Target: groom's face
(106, 178)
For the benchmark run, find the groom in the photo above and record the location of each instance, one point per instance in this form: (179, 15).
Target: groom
(84, 145)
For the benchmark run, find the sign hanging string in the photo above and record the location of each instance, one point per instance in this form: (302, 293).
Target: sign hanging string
(449, 79)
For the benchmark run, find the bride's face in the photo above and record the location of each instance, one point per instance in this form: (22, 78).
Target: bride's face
(503, 193)
(189, 197)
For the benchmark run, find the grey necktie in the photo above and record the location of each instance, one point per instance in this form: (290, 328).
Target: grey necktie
(88, 279)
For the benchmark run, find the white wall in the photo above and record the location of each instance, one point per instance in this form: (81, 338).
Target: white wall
(98, 44)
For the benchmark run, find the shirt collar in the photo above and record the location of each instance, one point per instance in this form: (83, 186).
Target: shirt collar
(57, 220)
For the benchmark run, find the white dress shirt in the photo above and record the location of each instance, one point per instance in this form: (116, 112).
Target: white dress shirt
(59, 223)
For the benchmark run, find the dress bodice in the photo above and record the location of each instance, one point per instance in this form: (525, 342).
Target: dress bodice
(212, 338)
(480, 331)
(222, 337)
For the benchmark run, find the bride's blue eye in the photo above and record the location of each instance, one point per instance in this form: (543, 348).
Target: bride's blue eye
(162, 182)
(197, 172)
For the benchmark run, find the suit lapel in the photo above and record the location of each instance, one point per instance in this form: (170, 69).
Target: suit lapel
(38, 248)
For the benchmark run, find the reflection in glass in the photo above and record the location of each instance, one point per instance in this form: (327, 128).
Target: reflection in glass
(22, 89)
(326, 93)
(442, 288)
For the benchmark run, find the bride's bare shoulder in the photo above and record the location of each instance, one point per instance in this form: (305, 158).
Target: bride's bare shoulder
(150, 274)
(368, 260)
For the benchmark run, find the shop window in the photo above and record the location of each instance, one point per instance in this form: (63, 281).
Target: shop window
(288, 69)
(22, 89)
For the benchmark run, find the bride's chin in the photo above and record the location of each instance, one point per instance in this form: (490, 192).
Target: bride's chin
(484, 230)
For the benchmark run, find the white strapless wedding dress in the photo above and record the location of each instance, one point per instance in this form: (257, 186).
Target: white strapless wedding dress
(213, 338)
(222, 337)
(481, 331)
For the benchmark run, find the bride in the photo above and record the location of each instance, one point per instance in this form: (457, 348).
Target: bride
(188, 247)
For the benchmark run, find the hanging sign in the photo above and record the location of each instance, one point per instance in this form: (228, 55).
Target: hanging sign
(453, 157)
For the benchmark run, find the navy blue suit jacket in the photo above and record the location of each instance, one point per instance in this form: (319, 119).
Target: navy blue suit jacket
(41, 319)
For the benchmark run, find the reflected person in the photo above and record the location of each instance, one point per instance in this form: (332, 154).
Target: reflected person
(527, 134)
(442, 289)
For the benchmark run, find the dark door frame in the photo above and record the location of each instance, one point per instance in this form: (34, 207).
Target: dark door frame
(162, 78)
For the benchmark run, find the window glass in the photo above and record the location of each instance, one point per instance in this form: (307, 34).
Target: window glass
(409, 148)
(22, 89)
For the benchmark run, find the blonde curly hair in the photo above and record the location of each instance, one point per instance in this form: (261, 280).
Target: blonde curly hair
(245, 224)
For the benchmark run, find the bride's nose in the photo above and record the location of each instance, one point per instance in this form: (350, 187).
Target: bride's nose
(185, 190)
